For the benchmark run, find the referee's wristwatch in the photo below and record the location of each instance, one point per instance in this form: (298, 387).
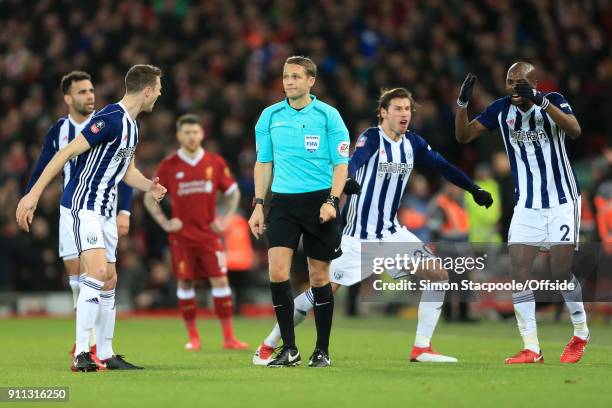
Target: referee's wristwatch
(258, 201)
(334, 202)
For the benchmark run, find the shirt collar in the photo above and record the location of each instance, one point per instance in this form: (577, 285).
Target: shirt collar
(125, 110)
(389, 139)
(87, 119)
(306, 108)
(189, 160)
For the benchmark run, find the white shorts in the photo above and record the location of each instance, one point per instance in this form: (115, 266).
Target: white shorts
(347, 270)
(545, 227)
(67, 245)
(92, 230)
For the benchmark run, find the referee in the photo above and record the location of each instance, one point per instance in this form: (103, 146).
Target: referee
(302, 150)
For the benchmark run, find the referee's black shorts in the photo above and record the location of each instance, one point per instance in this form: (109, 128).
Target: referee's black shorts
(294, 215)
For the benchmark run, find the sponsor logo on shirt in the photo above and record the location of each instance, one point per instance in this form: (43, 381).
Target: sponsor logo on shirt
(519, 137)
(125, 153)
(194, 187)
(311, 143)
(394, 168)
(343, 149)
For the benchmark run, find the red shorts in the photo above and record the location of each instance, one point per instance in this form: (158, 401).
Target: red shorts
(197, 262)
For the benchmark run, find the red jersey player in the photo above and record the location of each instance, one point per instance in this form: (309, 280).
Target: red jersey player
(193, 178)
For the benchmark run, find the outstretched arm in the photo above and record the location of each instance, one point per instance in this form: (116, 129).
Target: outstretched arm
(134, 178)
(27, 205)
(455, 175)
(46, 154)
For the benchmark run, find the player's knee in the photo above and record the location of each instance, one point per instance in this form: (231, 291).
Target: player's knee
(111, 283)
(72, 266)
(440, 275)
(218, 282)
(185, 284)
(278, 272)
(318, 276)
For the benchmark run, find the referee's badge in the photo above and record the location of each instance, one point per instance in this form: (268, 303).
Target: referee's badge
(311, 142)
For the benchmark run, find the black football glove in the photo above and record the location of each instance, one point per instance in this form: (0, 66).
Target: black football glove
(482, 197)
(526, 91)
(351, 187)
(466, 90)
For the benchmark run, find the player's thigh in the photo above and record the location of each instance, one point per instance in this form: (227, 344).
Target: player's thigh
(72, 266)
(521, 259)
(183, 261)
(67, 246)
(111, 236)
(346, 270)
(564, 224)
(528, 227)
(210, 263)
(94, 263)
(322, 242)
(282, 228)
(561, 257)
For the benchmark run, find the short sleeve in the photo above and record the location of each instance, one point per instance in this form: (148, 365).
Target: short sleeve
(263, 140)
(226, 181)
(99, 130)
(46, 154)
(560, 102)
(365, 147)
(488, 117)
(338, 138)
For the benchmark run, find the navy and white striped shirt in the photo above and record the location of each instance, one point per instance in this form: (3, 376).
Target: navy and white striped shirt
(113, 137)
(58, 136)
(541, 169)
(382, 167)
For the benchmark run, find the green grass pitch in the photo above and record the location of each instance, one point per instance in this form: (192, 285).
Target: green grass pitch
(369, 357)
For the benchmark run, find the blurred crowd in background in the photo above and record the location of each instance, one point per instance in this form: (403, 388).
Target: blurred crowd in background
(223, 60)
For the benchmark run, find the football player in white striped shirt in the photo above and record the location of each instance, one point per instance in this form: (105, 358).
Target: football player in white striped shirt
(79, 96)
(383, 160)
(534, 127)
(105, 150)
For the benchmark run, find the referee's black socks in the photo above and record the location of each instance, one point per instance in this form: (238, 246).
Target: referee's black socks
(324, 312)
(282, 299)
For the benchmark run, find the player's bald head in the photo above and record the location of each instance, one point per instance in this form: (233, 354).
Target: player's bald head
(522, 69)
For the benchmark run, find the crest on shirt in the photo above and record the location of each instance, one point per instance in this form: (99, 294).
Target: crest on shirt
(510, 122)
(311, 142)
(180, 175)
(209, 172)
(92, 238)
(361, 141)
(539, 121)
(97, 126)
